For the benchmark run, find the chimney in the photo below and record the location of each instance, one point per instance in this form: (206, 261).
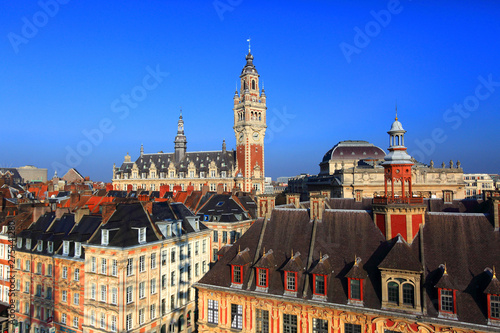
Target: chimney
(163, 190)
(74, 198)
(148, 206)
(317, 206)
(190, 189)
(204, 189)
(220, 188)
(496, 212)
(293, 199)
(177, 188)
(39, 211)
(60, 211)
(80, 213)
(265, 205)
(108, 209)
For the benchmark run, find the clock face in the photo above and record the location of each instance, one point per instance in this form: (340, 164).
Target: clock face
(255, 136)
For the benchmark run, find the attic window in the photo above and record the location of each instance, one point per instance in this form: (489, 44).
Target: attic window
(220, 203)
(236, 271)
(50, 246)
(19, 242)
(290, 281)
(65, 248)
(40, 246)
(104, 237)
(355, 289)
(142, 235)
(78, 249)
(319, 284)
(262, 277)
(28, 244)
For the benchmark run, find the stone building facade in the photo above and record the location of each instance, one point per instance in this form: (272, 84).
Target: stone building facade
(243, 167)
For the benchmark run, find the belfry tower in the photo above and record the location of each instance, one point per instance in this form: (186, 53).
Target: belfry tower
(250, 128)
(398, 211)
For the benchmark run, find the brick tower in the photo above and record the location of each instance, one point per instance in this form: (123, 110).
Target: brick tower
(250, 128)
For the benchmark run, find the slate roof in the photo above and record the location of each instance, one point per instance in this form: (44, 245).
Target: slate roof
(467, 243)
(224, 160)
(223, 208)
(349, 150)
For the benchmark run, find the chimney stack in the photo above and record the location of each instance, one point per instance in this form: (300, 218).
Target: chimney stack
(265, 205)
(317, 206)
(293, 199)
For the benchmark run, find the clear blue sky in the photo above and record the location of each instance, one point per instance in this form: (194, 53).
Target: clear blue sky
(332, 70)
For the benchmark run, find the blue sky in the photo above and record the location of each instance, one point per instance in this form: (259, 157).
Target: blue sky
(332, 70)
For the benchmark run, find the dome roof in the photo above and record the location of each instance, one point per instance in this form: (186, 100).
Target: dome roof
(354, 150)
(397, 126)
(249, 67)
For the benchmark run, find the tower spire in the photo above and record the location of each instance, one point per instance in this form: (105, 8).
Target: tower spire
(249, 46)
(180, 140)
(396, 109)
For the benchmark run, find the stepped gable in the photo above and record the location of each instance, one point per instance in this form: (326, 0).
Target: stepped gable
(220, 273)
(478, 246)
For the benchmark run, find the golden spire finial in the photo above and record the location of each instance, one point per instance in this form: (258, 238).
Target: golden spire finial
(396, 110)
(445, 270)
(494, 273)
(264, 253)
(239, 249)
(320, 256)
(355, 260)
(292, 253)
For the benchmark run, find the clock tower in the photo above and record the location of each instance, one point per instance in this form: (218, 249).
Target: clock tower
(250, 128)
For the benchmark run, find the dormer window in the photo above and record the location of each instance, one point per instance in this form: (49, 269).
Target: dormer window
(19, 242)
(446, 300)
(319, 282)
(236, 271)
(65, 248)
(493, 298)
(355, 289)
(291, 281)
(28, 244)
(169, 230)
(78, 249)
(50, 246)
(39, 246)
(494, 307)
(262, 277)
(104, 237)
(142, 235)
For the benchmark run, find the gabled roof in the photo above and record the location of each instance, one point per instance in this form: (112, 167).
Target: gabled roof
(266, 260)
(401, 258)
(294, 264)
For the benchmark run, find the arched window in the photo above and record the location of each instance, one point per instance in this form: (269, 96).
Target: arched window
(181, 323)
(393, 292)
(253, 84)
(408, 294)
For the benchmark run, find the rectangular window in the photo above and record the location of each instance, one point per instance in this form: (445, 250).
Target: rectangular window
(214, 255)
(164, 281)
(77, 274)
(153, 260)
(224, 237)
(28, 265)
(103, 293)
(63, 318)
(152, 311)
(76, 298)
(262, 321)
(289, 323)
(213, 311)
(319, 284)
(78, 249)
(164, 257)
(50, 246)
(65, 272)
(130, 266)
(197, 269)
(320, 325)
(351, 328)
(216, 236)
(204, 246)
(236, 274)
(129, 322)
(114, 267)
(142, 290)
(142, 264)
(65, 247)
(141, 316)
(172, 302)
(64, 296)
(172, 255)
(153, 286)
(355, 289)
(196, 248)
(104, 264)
(130, 297)
(93, 265)
(114, 296)
(291, 281)
(237, 316)
(92, 291)
(113, 323)
(447, 300)
(495, 306)
(262, 277)
(172, 278)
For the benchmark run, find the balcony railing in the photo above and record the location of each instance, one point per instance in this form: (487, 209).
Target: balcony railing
(398, 200)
